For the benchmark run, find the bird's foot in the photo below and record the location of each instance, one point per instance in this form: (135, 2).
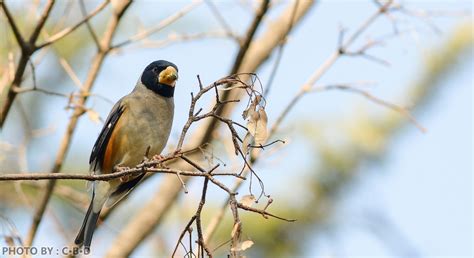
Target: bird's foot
(120, 169)
(160, 160)
(158, 157)
(124, 178)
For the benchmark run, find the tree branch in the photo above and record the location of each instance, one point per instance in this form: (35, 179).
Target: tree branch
(41, 22)
(147, 218)
(163, 24)
(105, 177)
(366, 94)
(318, 73)
(78, 111)
(304, 89)
(16, 32)
(28, 48)
(63, 33)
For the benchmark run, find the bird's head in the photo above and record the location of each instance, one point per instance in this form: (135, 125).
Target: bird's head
(160, 73)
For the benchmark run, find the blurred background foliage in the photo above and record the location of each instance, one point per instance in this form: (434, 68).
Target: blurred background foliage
(338, 151)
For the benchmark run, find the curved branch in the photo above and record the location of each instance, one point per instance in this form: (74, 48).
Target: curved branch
(147, 218)
(304, 89)
(63, 33)
(105, 177)
(41, 22)
(11, 21)
(78, 111)
(163, 24)
(28, 48)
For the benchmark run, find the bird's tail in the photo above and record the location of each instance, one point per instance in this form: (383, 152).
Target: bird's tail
(84, 237)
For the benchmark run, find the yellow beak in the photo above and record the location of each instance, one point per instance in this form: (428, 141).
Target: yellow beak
(168, 76)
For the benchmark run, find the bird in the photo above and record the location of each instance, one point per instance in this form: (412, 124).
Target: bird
(137, 127)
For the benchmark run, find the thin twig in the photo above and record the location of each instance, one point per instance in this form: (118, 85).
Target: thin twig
(44, 16)
(201, 242)
(16, 32)
(279, 53)
(249, 36)
(264, 213)
(318, 73)
(63, 33)
(104, 177)
(186, 229)
(221, 19)
(29, 47)
(141, 225)
(160, 26)
(174, 38)
(343, 45)
(24, 90)
(399, 109)
(78, 111)
(88, 25)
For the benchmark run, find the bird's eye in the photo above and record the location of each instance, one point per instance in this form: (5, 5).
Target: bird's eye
(155, 70)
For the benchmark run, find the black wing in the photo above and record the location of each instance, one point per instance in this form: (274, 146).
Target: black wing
(100, 146)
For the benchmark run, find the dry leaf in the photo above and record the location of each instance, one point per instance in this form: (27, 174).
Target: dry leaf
(248, 140)
(245, 113)
(250, 110)
(252, 122)
(93, 116)
(248, 200)
(235, 229)
(246, 245)
(242, 246)
(252, 107)
(261, 128)
(257, 100)
(257, 126)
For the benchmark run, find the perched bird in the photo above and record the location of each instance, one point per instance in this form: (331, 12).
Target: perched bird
(138, 125)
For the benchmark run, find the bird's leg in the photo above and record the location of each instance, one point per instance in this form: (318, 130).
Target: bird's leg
(158, 157)
(124, 178)
(145, 157)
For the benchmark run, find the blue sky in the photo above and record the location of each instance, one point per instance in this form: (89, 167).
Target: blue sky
(424, 184)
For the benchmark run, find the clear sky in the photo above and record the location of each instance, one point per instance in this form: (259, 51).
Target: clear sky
(421, 191)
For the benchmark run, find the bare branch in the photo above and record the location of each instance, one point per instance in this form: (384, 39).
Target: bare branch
(399, 109)
(343, 45)
(318, 73)
(163, 24)
(13, 26)
(88, 25)
(237, 229)
(24, 90)
(186, 229)
(264, 213)
(176, 38)
(249, 36)
(66, 140)
(148, 218)
(41, 22)
(105, 177)
(27, 50)
(201, 242)
(63, 33)
(221, 20)
(279, 53)
(35, 86)
(20, 69)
